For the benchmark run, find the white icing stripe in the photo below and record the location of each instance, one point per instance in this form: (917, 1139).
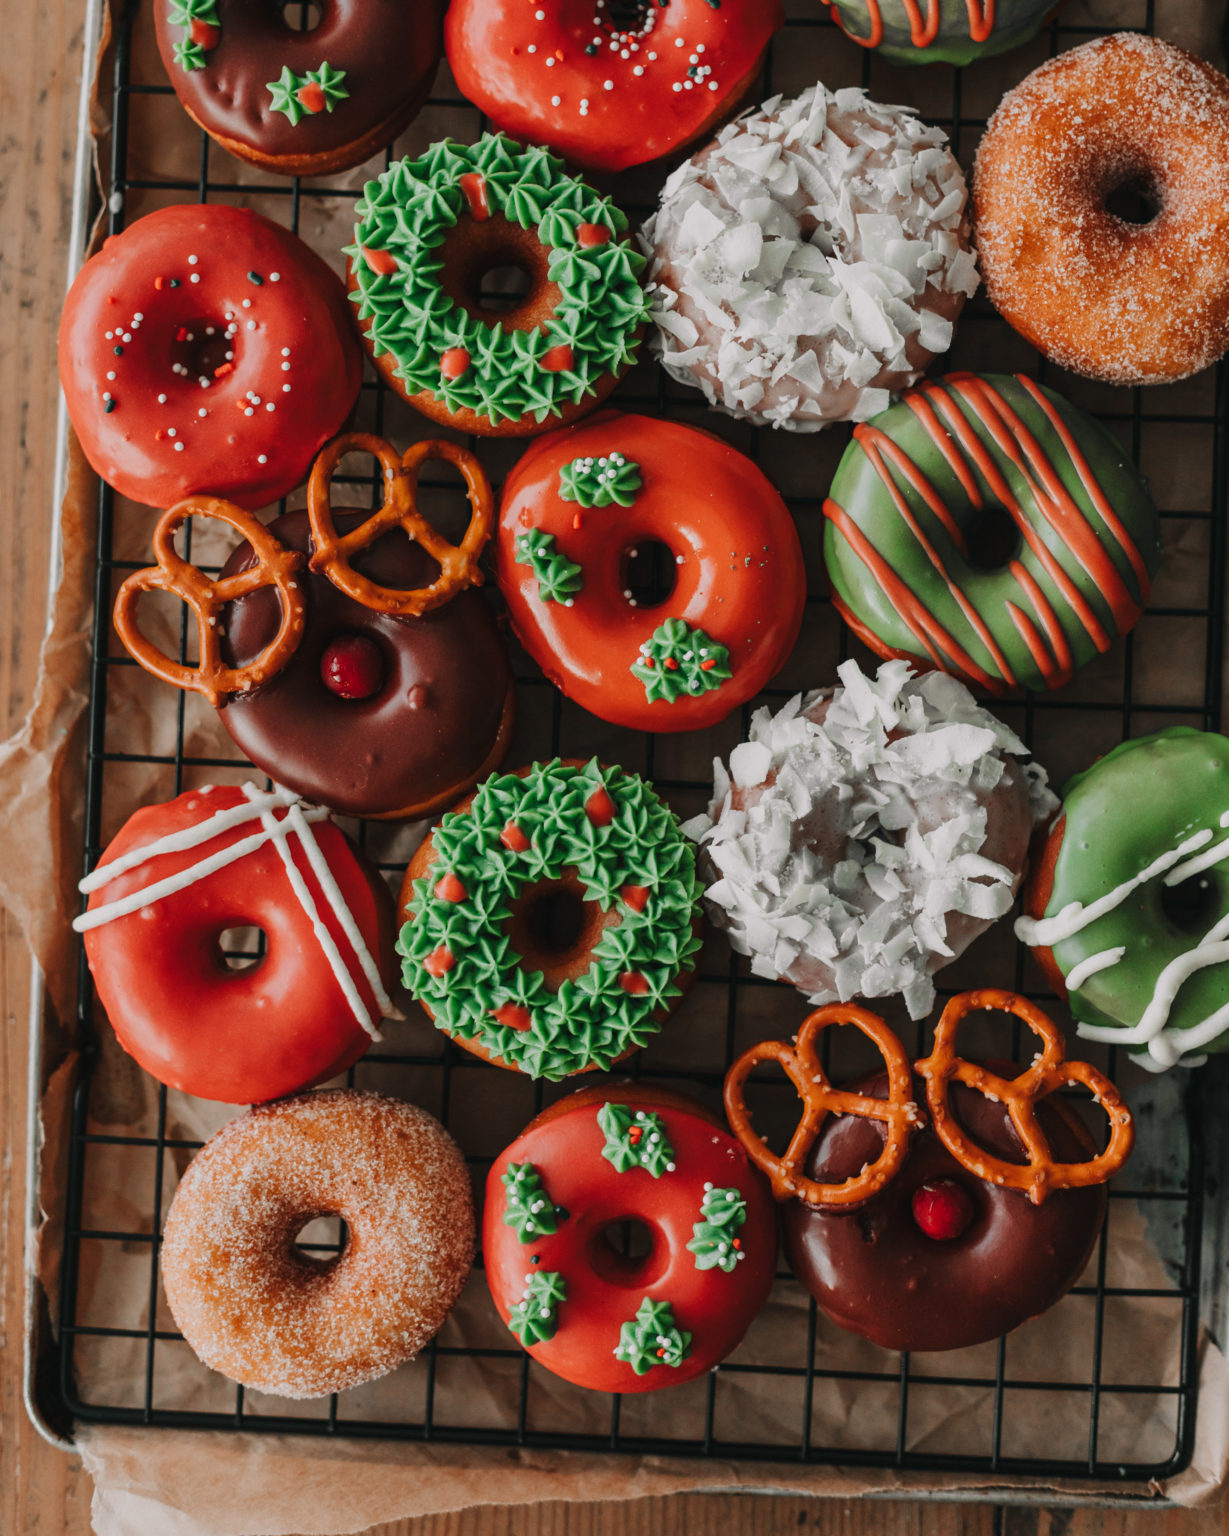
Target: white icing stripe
(188, 837)
(1199, 863)
(1079, 974)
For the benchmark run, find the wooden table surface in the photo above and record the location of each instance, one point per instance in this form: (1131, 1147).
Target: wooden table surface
(42, 1492)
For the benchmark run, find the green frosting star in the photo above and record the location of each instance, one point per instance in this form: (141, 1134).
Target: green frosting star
(189, 54)
(652, 1339)
(722, 1213)
(535, 1318)
(559, 579)
(285, 90)
(677, 661)
(635, 1140)
(529, 1208)
(598, 482)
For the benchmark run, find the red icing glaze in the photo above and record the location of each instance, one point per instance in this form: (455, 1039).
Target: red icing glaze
(741, 578)
(636, 896)
(513, 1016)
(382, 263)
(600, 808)
(439, 962)
(942, 1209)
(922, 29)
(449, 888)
(301, 320)
(558, 359)
(237, 1036)
(454, 362)
(604, 1291)
(352, 667)
(513, 838)
(592, 234)
(641, 116)
(473, 186)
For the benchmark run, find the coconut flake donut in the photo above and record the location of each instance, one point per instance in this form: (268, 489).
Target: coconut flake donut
(602, 93)
(174, 879)
(206, 349)
(865, 835)
(300, 103)
(575, 509)
(259, 1309)
(1101, 208)
(811, 260)
(580, 1306)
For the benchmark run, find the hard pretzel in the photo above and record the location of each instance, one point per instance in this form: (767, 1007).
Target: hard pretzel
(275, 567)
(819, 1098)
(1050, 1071)
(458, 563)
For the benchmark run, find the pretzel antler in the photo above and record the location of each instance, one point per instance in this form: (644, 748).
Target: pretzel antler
(1050, 1070)
(275, 567)
(333, 551)
(820, 1099)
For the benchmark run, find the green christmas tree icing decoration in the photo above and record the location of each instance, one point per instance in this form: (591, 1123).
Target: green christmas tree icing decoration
(559, 579)
(635, 1140)
(652, 1339)
(678, 660)
(529, 1208)
(190, 54)
(535, 1318)
(714, 1241)
(294, 95)
(598, 482)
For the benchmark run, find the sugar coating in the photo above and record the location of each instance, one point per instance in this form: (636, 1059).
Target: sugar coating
(1128, 303)
(266, 1315)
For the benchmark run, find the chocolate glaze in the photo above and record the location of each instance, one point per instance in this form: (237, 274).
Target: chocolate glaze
(427, 731)
(873, 1270)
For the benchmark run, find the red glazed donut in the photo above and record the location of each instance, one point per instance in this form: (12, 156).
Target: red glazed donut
(578, 507)
(581, 1307)
(179, 875)
(300, 103)
(206, 349)
(607, 96)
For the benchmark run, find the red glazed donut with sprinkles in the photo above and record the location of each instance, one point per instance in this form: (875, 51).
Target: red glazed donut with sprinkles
(582, 1307)
(586, 505)
(206, 349)
(605, 94)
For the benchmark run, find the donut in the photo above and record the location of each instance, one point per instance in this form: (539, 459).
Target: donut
(374, 715)
(1101, 219)
(300, 103)
(865, 835)
(986, 526)
(1128, 909)
(939, 1258)
(944, 32)
(738, 585)
(811, 260)
(206, 349)
(180, 875)
(429, 231)
(603, 90)
(278, 1319)
(550, 919)
(588, 1310)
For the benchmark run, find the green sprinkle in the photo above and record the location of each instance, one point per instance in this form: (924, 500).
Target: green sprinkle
(108, 406)
(255, 277)
(119, 351)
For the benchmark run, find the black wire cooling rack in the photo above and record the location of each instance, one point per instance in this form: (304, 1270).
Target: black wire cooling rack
(1041, 1409)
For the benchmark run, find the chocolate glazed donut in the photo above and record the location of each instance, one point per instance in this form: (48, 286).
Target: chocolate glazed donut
(426, 714)
(344, 89)
(875, 1271)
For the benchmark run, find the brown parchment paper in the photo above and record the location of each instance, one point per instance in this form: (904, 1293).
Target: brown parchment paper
(187, 1484)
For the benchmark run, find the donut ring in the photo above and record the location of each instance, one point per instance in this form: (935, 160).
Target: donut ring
(1118, 121)
(613, 97)
(179, 875)
(944, 32)
(263, 1312)
(582, 1308)
(300, 103)
(205, 349)
(739, 592)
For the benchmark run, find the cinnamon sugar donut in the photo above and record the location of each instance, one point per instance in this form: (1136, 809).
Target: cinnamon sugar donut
(1101, 192)
(262, 1311)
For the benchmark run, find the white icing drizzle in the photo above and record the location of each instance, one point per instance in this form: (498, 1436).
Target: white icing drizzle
(811, 260)
(1101, 961)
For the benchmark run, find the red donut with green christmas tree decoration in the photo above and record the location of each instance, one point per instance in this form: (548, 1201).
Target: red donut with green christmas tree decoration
(652, 571)
(594, 1307)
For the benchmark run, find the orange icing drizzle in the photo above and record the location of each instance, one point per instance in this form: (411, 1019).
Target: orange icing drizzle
(922, 32)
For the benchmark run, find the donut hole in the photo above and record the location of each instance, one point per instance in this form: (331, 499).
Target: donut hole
(1192, 906)
(501, 290)
(301, 15)
(496, 272)
(632, 16)
(319, 1242)
(650, 573)
(199, 348)
(1136, 199)
(992, 539)
(242, 950)
(627, 1251)
(554, 929)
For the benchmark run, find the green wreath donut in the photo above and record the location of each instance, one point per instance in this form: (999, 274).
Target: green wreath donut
(469, 899)
(429, 229)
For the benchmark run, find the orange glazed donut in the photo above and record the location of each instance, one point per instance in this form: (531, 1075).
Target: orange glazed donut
(1101, 214)
(255, 1306)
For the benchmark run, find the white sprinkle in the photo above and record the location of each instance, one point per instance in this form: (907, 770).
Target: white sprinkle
(170, 431)
(178, 447)
(555, 100)
(251, 325)
(285, 351)
(533, 48)
(110, 335)
(285, 389)
(191, 261)
(106, 394)
(202, 411)
(269, 406)
(262, 458)
(539, 15)
(275, 277)
(608, 85)
(247, 303)
(699, 47)
(195, 277)
(161, 399)
(550, 61)
(679, 43)
(638, 69)
(248, 411)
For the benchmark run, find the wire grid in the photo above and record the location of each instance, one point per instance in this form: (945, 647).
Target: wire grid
(728, 985)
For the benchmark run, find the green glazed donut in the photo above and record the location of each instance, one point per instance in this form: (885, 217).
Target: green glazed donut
(1130, 903)
(985, 526)
(940, 31)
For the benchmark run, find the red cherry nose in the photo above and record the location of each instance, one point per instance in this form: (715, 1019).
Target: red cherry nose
(352, 667)
(942, 1208)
